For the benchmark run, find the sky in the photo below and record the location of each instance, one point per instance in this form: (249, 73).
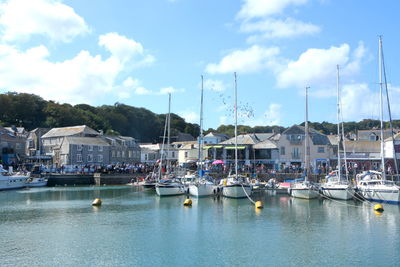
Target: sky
(135, 52)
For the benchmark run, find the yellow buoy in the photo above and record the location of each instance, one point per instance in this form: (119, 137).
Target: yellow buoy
(225, 182)
(259, 204)
(378, 213)
(188, 202)
(378, 208)
(96, 202)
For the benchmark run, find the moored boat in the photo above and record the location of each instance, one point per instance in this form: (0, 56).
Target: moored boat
(8, 181)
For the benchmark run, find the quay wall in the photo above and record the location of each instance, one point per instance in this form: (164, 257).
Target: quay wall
(92, 179)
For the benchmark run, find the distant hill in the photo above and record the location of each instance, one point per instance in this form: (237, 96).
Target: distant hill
(32, 111)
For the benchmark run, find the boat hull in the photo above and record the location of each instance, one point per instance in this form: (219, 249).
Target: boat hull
(202, 190)
(338, 192)
(12, 182)
(304, 193)
(172, 190)
(381, 195)
(236, 191)
(36, 182)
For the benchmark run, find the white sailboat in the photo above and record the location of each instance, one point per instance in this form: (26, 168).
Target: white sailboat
(372, 185)
(169, 185)
(336, 187)
(201, 187)
(305, 189)
(9, 181)
(235, 186)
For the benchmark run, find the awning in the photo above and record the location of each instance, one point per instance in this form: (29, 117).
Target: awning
(232, 147)
(216, 146)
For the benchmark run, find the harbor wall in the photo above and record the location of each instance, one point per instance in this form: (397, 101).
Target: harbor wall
(92, 179)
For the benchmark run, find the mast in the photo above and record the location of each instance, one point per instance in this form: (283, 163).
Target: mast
(338, 121)
(201, 131)
(162, 149)
(381, 109)
(389, 111)
(169, 131)
(306, 160)
(235, 109)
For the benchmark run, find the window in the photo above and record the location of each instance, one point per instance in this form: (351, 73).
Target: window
(123, 154)
(321, 149)
(89, 157)
(100, 148)
(113, 154)
(173, 154)
(90, 148)
(78, 157)
(118, 154)
(282, 150)
(79, 147)
(296, 153)
(186, 154)
(99, 158)
(123, 143)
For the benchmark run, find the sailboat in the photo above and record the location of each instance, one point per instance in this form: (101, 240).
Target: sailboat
(201, 186)
(168, 185)
(235, 186)
(305, 189)
(335, 186)
(372, 185)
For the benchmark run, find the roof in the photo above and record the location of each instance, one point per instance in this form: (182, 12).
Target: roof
(363, 146)
(316, 137)
(224, 136)
(267, 144)
(69, 131)
(396, 137)
(76, 140)
(242, 139)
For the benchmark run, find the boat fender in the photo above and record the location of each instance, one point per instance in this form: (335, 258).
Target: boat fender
(187, 191)
(188, 202)
(378, 208)
(96, 202)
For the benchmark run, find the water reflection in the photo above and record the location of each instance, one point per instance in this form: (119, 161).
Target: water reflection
(136, 227)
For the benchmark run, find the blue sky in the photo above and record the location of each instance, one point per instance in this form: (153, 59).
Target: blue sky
(135, 52)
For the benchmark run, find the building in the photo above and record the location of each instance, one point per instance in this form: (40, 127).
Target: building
(12, 147)
(34, 143)
(214, 138)
(123, 149)
(375, 134)
(77, 150)
(150, 153)
(292, 146)
(54, 138)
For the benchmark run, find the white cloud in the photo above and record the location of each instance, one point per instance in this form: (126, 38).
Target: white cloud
(276, 28)
(261, 8)
(80, 79)
(272, 116)
(214, 85)
(250, 60)
(223, 120)
(317, 67)
(125, 49)
(189, 116)
(20, 19)
(170, 90)
(359, 101)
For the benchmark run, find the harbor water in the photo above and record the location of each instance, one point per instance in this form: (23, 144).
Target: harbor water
(58, 226)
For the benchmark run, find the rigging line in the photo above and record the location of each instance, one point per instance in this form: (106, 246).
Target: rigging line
(340, 202)
(252, 201)
(390, 113)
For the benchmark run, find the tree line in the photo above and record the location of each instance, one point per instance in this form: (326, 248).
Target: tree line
(32, 111)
